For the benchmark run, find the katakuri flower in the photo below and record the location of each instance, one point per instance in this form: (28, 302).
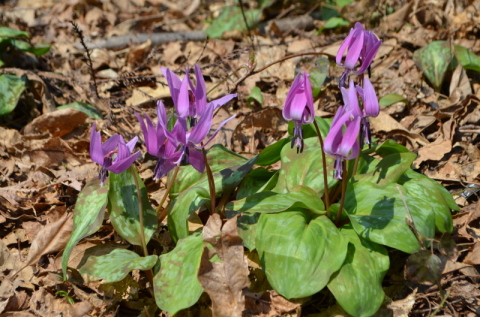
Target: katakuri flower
(361, 47)
(191, 100)
(342, 139)
(299, 107)
(113, 155)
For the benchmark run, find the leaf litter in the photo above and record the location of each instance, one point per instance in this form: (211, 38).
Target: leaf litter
(45, 162)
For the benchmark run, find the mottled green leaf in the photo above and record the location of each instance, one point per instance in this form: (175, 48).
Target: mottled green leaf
(273, 202)
(299, 254)
(7, 32)
(424, 267)
(255, 96)
(231, 19)
(433, 59)
(123, 207)
(114, 266)
(435, 195)
(378, 214)
(182, 207)
(176, 284)
(255, 181)
(219, 158)
(389, 169)
(335, 22)
(467, 58)
(357, 286)
(87, 216)
(390, 99)
(318, 74)
(271, 154)
(86, 108)
(11, 88)
(304, 168)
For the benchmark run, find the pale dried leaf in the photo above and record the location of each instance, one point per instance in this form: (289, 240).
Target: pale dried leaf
(224, 278)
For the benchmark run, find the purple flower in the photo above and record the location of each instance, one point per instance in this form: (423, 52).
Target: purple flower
(114, 155)
(299, 107)
(191, 100)
(342, 143)
(360, 46)
(371, 107)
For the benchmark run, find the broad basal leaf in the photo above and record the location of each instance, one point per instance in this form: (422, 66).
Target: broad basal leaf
(378, 214)
(304, 168)
(299, 254)
(432, 193)
(255, 181)
(86, 108)
(176, 284)
(467, 58)
(357, 286)
(182, 207)
(272, 202)
(389, 169)
(123, 206)
(114, 266)
(87, 216)
(12, 88)
(433, 59)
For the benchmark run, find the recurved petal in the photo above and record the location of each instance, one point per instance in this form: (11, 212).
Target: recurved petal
(370, 101)
(343, 47)
(221, 101)
(349, 138)
(196, 159)
(354, 51)
(219, 128)
(308, 93)
(203, 126)
(173, 81)
(96, 152)
(119, 166)
(334, 136)
(183, 101)
(294, 90)
(131, 144)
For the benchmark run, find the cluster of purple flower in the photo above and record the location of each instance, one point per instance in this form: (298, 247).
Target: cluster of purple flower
(351, 120)
(180, 145)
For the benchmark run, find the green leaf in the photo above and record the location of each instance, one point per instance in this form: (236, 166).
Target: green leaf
(39, 49)
(87, 216)
(124, 210)
(255, 95)
(7, 32)
(11, 88)
(231, 19)
(271, 154)
(390, 147)
(467, 58)
(318, 75)
(390, 99)
(427, 190)
(182, 207)
(378, 214)
(304, 168)
(389, 169)
(247, 229)
(113, 267)
(342, 3)
(299, 255)
(335, 22)
(219, 158)
(272, 202)
(176, 284)
(86, 108)
(255, 181)
(434, 59)
(424, 267)
(357, 286)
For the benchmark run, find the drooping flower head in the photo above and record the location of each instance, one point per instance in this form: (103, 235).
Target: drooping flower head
(299, 107)
(113, 155)
(360, 46)
(190, 100)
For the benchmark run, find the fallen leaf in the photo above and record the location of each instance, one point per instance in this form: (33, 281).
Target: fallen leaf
(223, 271)
(52, 238)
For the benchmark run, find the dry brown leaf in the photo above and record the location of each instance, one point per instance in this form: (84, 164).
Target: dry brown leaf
(45, 304)
(58, 123)
(473, 256)
(268, 304)
(434, 151)
(52, 238)
(459, 85)
(403, 307)
(226, 276)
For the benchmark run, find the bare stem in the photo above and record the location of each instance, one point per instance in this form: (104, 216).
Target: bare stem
(143, 241)
(163, 213)
(324, 163)
(344, 191)
(211, 182)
